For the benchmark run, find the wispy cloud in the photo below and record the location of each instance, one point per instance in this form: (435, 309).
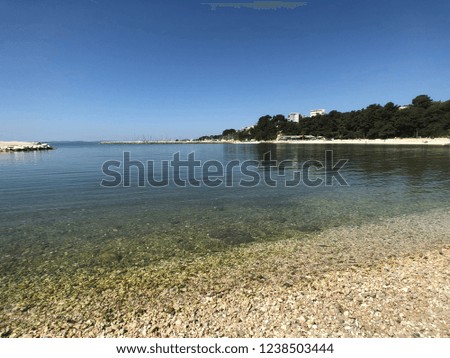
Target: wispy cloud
(257, 5)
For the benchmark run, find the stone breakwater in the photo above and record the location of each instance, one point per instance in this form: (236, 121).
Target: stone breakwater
(23, 146)
(388, 278)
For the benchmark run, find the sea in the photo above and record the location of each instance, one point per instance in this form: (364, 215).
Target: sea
(87, 205)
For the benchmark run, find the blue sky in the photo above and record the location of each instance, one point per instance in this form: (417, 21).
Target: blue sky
(107, 69)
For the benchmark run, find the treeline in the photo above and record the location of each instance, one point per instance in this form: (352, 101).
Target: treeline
(423, 118)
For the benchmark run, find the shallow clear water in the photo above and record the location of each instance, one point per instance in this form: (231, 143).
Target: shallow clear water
(55, 213)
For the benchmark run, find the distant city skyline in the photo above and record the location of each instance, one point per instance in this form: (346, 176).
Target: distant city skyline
(116, 70)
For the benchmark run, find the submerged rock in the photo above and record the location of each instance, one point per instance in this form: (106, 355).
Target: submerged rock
(309, 228)
(232, 236)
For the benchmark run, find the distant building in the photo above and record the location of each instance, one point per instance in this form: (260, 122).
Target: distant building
(403, 107)
(294, 117)
(317, 112)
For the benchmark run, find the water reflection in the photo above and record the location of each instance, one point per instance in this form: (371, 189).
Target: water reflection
(375, 165)
(17, 158)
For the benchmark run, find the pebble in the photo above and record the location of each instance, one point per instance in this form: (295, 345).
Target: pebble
(220, 295)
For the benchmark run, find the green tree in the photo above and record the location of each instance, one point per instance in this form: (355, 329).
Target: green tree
(422, 101)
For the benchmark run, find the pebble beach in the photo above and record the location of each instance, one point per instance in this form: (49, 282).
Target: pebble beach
(386, 278)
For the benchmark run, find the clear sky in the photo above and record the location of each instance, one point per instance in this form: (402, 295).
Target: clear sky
(116, 69)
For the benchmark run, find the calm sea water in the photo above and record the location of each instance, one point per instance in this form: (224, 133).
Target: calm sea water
(54, 210)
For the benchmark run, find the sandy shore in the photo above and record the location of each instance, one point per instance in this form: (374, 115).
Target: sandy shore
(388, 278)
(394, 141)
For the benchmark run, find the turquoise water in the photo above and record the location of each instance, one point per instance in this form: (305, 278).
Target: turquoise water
(55, 214)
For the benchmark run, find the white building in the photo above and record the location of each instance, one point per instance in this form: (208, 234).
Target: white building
(294, 117)
(317, 112)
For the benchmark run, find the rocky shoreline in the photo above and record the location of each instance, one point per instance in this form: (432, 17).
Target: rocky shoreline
(382, 279)
(23, 146)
